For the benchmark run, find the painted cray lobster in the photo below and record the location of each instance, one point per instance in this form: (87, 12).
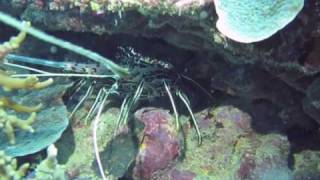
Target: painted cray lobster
(137, 77)
(148, 78)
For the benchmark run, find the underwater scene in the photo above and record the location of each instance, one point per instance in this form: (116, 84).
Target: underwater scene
(159, 89)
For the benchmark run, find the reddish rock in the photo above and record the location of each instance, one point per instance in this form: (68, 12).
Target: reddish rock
(182, 175)
(160, 144)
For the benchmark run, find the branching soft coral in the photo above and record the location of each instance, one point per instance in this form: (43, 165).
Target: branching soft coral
(49, 168)
(10, 122)
(7, 103)
(9, 169)
(9, 83)
(31, 82)
(13, 43)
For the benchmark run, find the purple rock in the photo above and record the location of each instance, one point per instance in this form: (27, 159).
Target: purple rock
(160, 144)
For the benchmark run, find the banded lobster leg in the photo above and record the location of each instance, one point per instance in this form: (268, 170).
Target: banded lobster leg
(127, 105)
(186, 102)
(100, 107)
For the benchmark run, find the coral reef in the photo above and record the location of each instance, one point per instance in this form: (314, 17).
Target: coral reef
(11, 122)
(48, 126)
(13, 43)
(49, 168)
(311, 102)
(9, 168)
(306, 165)
(190, 25)
(30, 82)
(262, 91)
(78, 140)
(8, 122)
(8, 83)
(231, 148)
(160, 145)
(13, 125)
(251, 21)
(7, 103)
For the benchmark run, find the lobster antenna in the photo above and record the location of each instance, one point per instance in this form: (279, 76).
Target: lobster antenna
(50, 74)
(117, 70)
(197, 84)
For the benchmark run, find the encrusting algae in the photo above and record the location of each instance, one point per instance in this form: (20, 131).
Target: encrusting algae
(7, 121)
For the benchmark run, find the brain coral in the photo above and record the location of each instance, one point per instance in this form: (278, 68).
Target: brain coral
(249, 21)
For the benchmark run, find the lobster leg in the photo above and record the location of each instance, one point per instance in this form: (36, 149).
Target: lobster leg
(176, 116)
(186, 102)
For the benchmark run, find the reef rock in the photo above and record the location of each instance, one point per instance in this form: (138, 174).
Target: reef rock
(283, 63)
(160, 145)
(232, 149)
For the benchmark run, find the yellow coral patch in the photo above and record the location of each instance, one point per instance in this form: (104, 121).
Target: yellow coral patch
(31, 82)
(13, 43)
(10, 122)
(9, 168)
(6, 102)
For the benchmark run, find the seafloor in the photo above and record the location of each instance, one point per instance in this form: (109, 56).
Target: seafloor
(256, 105)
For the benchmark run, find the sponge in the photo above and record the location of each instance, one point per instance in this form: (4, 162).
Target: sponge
(250, 21)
